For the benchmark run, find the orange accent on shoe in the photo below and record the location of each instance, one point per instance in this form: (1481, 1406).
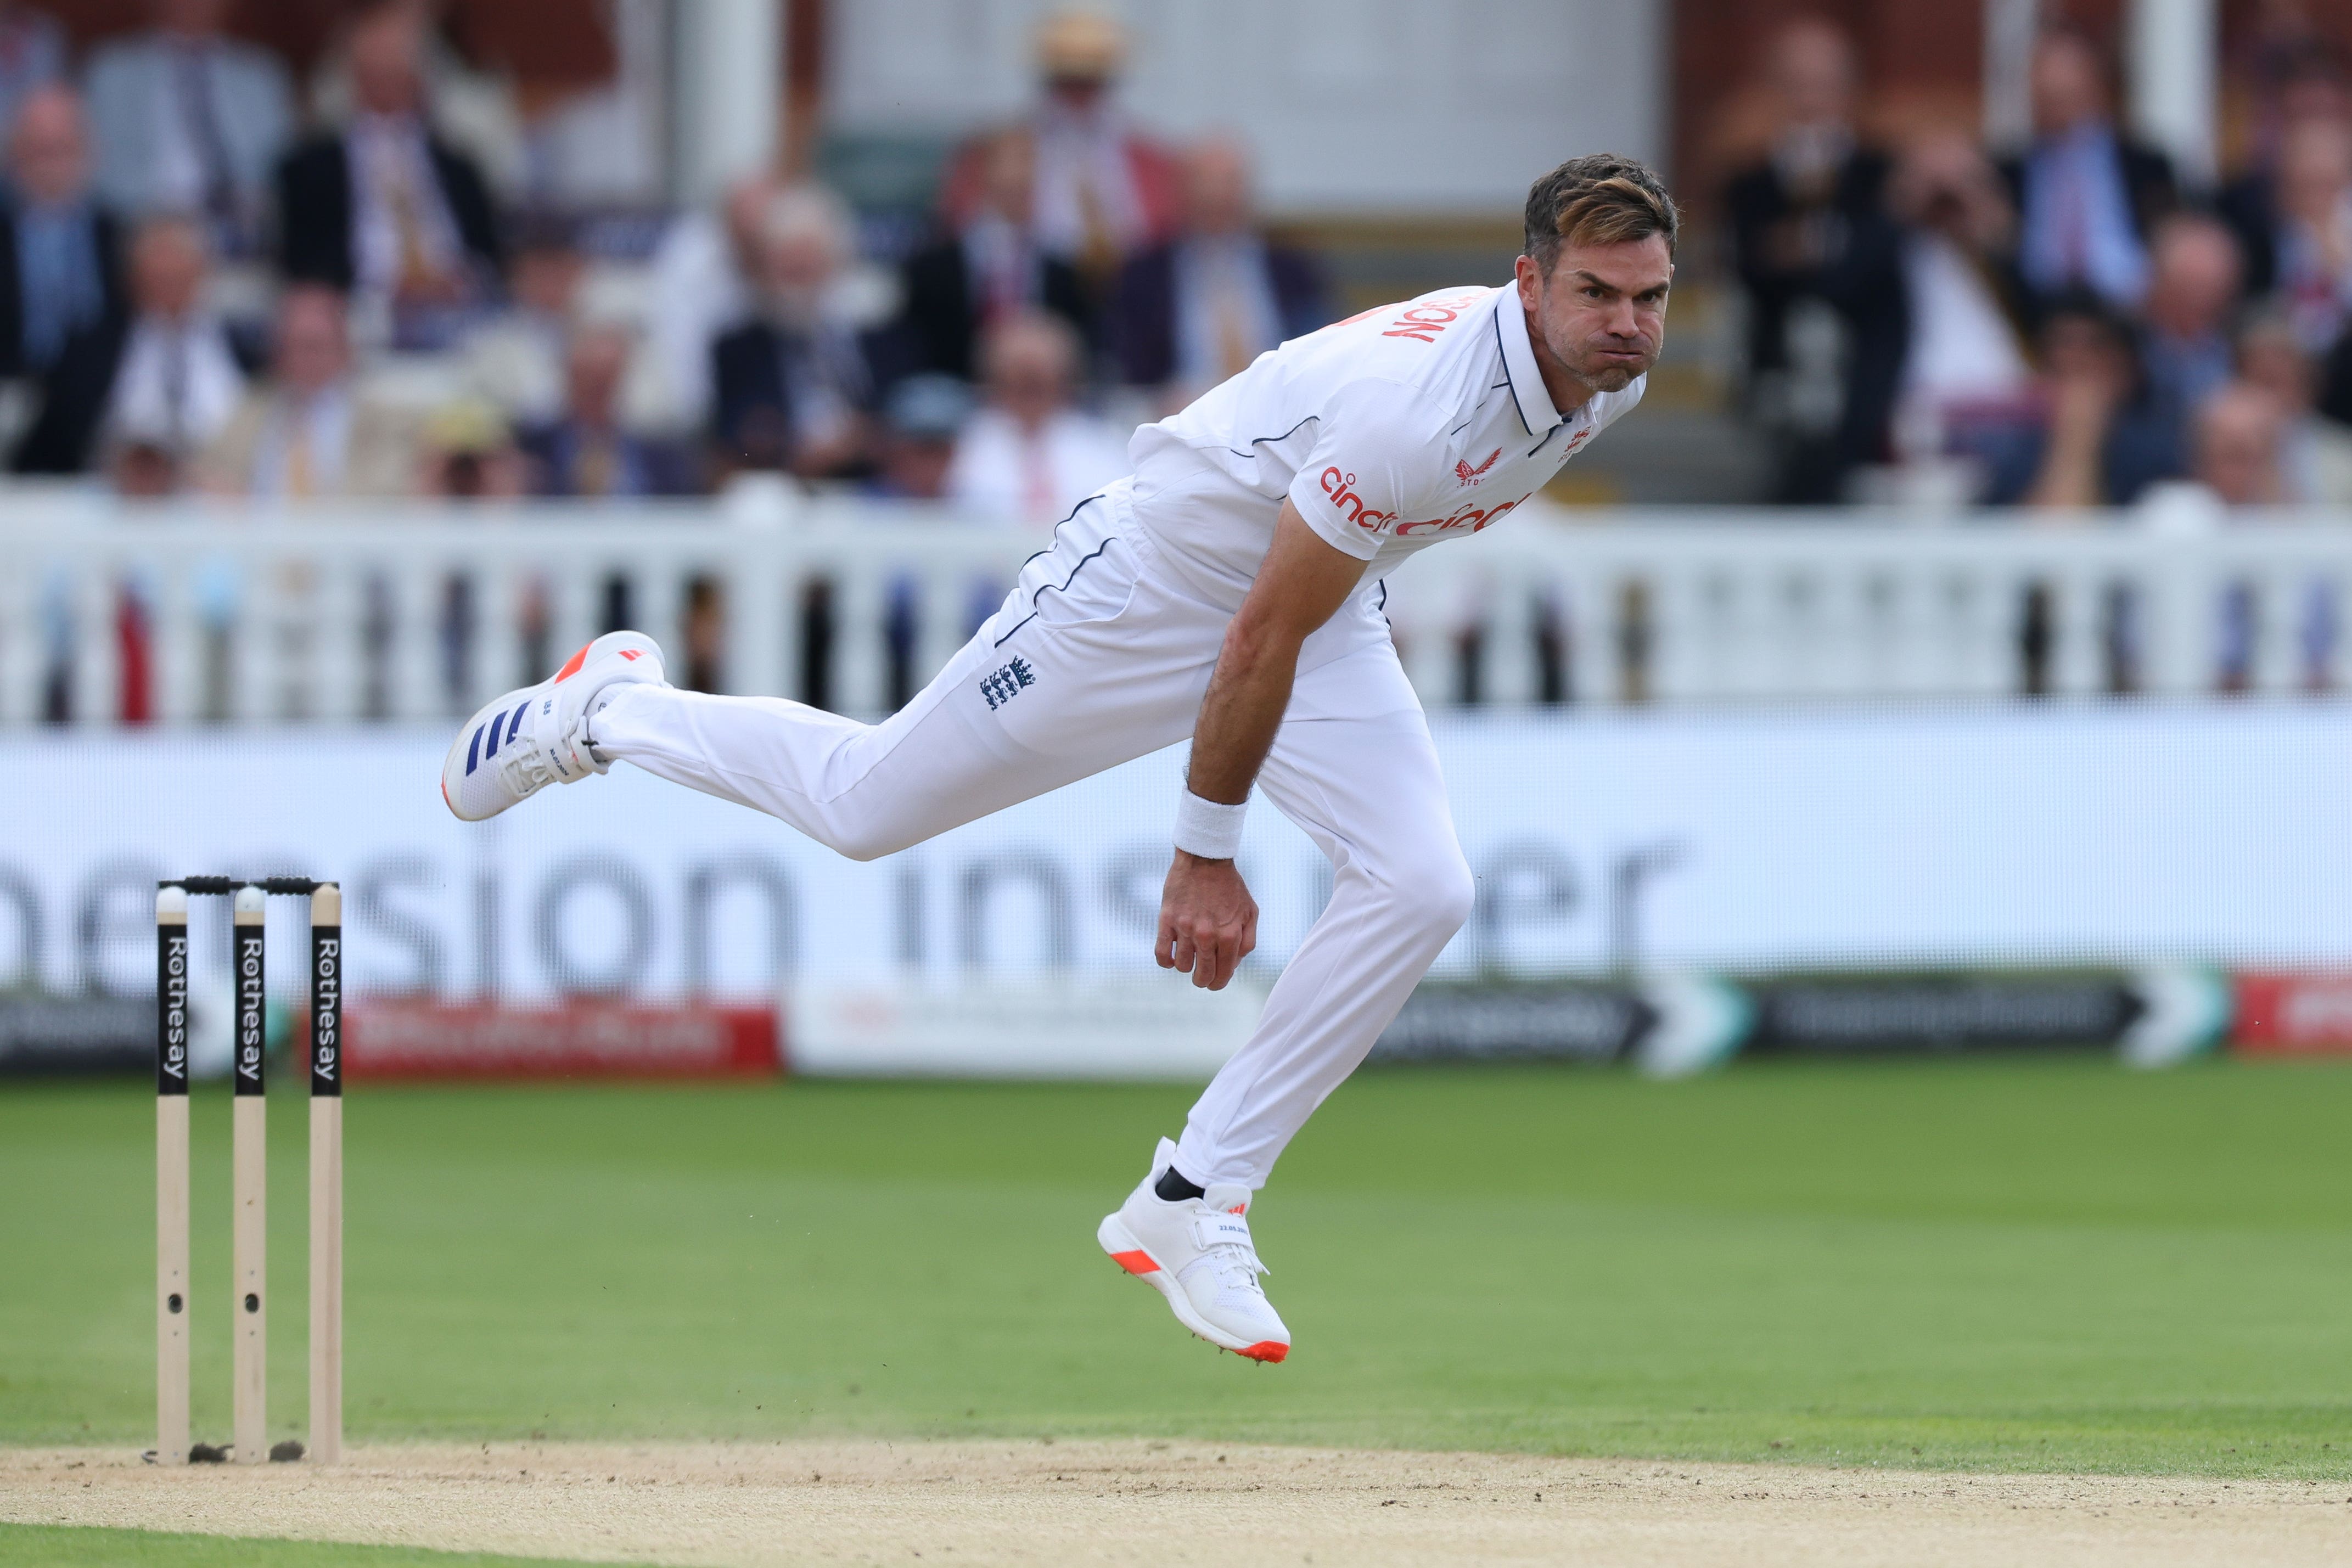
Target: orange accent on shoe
(1135, 1263)
(1238, 1208)
(1265, 1350)
(572, 665)
(632, 654)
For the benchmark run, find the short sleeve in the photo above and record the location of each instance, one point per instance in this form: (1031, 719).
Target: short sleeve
(1379, 454)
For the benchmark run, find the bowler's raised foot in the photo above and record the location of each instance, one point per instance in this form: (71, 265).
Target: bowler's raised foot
(539, 734)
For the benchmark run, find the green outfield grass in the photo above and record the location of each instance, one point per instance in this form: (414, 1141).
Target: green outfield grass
(2045, 1264)
(61, 1546)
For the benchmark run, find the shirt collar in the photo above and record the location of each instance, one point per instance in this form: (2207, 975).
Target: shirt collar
(1527, 390)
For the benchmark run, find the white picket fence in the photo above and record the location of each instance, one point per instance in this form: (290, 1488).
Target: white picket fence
(201, 613)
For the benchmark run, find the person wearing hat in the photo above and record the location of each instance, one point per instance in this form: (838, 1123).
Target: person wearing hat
(1103, 190)
(925, 416)
(470, 452)
(920, 423)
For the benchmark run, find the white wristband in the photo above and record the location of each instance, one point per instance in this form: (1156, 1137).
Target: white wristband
(1209, 828)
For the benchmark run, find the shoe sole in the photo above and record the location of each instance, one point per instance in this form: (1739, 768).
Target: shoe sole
(1134, 1257)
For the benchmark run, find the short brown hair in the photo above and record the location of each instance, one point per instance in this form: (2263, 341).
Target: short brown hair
(1603, 198)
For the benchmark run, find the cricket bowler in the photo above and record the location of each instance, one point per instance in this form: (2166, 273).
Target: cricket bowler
(1229, 590)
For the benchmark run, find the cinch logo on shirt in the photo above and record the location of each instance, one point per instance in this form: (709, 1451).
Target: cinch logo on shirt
(1336, 485)
(1463, 516)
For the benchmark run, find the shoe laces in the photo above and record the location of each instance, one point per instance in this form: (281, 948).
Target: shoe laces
(522, 764)
(1231, 1255)
(1237, 1265)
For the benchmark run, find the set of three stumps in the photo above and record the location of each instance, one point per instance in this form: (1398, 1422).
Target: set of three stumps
(249, 1151)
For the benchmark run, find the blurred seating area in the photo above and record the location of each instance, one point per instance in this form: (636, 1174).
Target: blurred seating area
(1983, 255)
(380, 265)
(2064, 319)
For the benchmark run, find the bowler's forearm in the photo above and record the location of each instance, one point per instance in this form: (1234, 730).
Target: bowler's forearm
(1239, 717)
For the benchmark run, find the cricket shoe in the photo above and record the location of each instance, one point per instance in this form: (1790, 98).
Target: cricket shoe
(536, 737)
(1197, 1252)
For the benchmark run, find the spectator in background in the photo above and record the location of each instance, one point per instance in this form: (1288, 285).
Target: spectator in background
(2313, 242)
(515, 359)
(2193, 278)
(474, 110)
(2314, 453)
(705, 278)
(307, 433)
(470, 453)
(795, 387)
(2307, 87)
(1791, 216)
(2237, 446)
(147, 391)
(919, 425)
(1030, 456)
(1964, 355)
(188, 119)
(2096, 436)
(60, 263)
(1103, 190)
(587, 449)
(991, 268)
(1193, 312)
(32, 55)
(383, 208)
(2288, 67)
(2089, 198)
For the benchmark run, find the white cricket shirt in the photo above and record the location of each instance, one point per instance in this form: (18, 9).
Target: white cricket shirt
(1389, 431)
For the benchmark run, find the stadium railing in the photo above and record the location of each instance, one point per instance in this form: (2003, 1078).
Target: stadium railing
(196, 612)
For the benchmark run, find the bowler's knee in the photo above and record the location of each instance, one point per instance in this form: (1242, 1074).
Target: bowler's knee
(1434, 891)
(870, 840)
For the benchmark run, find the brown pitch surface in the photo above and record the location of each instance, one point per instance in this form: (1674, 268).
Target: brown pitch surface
(742, 1505)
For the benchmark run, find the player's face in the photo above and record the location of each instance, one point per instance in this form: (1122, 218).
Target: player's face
(1603, 309)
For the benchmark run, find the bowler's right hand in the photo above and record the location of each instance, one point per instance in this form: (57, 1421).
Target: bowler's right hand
(1207, 921)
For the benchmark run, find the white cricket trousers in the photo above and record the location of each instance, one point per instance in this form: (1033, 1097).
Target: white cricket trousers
(1101, 654)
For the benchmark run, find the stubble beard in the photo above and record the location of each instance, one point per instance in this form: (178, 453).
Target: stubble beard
(1599, 376)
(1606, 376)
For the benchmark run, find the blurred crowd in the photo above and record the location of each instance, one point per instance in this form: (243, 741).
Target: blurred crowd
(216, 279)
(2062, 324)
(206, 286)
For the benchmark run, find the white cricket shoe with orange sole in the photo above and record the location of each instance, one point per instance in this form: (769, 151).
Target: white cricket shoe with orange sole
(1197, 1252)
(536, 737)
